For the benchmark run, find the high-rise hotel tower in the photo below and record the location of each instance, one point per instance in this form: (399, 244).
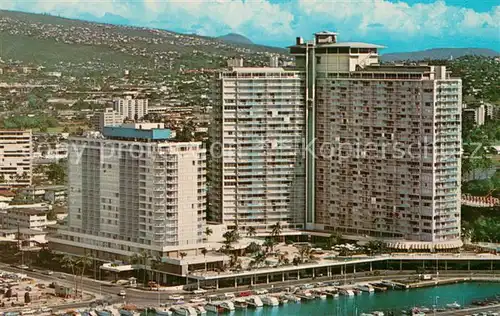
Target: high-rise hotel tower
(258, 171)
(388, 143)
(385, 159)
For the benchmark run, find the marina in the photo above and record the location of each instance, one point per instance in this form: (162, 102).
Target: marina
(320, 298)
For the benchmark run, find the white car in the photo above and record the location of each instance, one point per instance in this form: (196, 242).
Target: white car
(122, 293)
(176, 297)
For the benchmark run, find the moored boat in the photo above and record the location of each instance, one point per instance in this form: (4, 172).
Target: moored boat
(305, 295)
(254, 301)
(163, 311)
(269, 300)
(240, 303)
(365, 288)
(227, 305)
(453, 305)
(200, 310)
(346, 292)
(184, 310)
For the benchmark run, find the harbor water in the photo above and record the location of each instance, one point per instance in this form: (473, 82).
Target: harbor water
(392, 300)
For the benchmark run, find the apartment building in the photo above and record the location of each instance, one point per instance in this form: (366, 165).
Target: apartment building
(132, 188)
(34, 219)
(257, 135)
(387, 145)
(131, 108)
(109, 117)
(15, 158)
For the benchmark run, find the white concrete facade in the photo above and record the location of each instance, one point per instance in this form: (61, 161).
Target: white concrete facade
(388, 144)
(109, 117)
(25, 218)
(125, 195)
(133, 109)
(257, 136)
(15, 158)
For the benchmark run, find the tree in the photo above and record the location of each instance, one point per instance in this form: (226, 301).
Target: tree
(305, 253)
(375, 247)
(2, 178)
(230, 237)
(334, 239)
(83, 263)
(253, 248)
(208, 231)
(269, 244)
(251, 231)
(56, 173)
(69, 262)
(276, 231)
(142, 258)
(204, 252)
(182, 254)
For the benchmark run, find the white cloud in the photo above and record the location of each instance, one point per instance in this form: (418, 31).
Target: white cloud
(436, 19)
(264, 21)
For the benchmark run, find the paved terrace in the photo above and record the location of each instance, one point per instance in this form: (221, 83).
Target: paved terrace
(435, 263)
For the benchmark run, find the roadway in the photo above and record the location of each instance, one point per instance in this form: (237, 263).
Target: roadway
(109, 292)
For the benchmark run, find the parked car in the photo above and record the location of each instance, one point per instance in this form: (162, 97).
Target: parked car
(122, 293)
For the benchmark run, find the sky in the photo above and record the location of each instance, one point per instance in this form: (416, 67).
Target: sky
(405, 25)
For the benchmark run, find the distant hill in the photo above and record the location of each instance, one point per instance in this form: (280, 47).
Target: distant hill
(235, 38)
(439, 53)
(72, 45)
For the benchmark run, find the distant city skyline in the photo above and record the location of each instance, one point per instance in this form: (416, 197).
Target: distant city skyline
(400, 25)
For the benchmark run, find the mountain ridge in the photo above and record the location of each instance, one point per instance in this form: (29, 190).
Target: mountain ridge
(438, 53)
(235, 38)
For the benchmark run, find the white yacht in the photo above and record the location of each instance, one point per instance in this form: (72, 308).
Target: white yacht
(214, 307)
(200, 310)
(365, 288)
(346, 292)
(227, 305)
(163, 311)
(453, 305)
(270, 300)
(185, 310)
(254, 301)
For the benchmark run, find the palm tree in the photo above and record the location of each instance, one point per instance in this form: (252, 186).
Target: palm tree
(305, 253)
(253, 247)
(230, 237)
(276, 230)
(83, 262)
(204, 252)
(251, 231)
(269, 244)
(144, 257)
(70, 263)
(334, 239)
(208, 231)
(182, 254)
(375, 247)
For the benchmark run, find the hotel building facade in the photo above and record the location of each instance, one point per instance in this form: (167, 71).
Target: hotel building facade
(258, 170)
(132, 189)
(386, 146)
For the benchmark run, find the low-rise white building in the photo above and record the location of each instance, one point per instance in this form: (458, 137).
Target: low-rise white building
(28, 237)
(15, 158)
(109, 117)
(35, 219)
